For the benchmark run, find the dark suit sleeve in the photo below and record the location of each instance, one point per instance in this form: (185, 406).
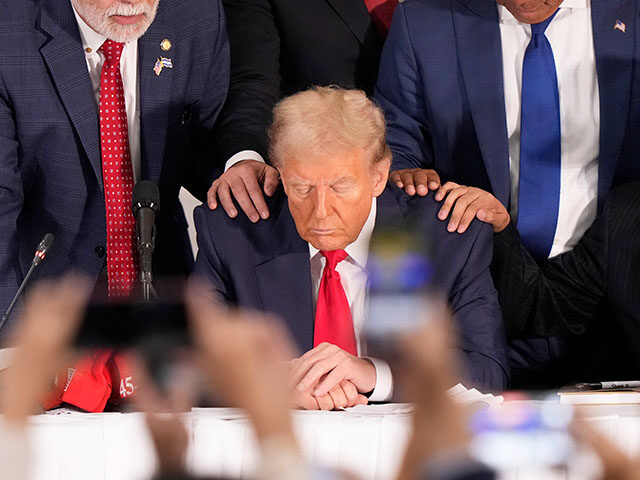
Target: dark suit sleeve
(208, 111)
(559, 298)
(477, 311)
(255, 79)
(11, 201)
(208, 267)
(399, 92)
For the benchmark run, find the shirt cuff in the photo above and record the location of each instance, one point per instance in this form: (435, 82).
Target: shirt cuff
(243, 155)
(384, 381)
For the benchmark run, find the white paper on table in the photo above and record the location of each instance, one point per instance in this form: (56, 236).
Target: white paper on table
(460, 394)
(381, 409)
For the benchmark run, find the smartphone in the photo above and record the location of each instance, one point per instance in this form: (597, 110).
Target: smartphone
(132, 322)
(523, 435)
(400, 274)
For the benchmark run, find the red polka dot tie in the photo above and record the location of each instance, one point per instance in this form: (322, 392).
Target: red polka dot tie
(117, 174)
(333, 316)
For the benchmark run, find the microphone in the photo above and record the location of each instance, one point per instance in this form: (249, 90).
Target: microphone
(43, 247)
(41, 252)
(145, 207)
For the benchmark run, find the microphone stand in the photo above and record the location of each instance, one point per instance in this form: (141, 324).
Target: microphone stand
(43, 247)
(147, 287)
(145, 206)
(146, 275)
(5, 317)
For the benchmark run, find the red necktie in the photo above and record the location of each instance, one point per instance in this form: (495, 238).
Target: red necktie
(103, 374)
(333, 316)
(117, 174)
(381, 12)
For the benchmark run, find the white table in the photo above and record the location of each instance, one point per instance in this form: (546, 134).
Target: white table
(117, 446)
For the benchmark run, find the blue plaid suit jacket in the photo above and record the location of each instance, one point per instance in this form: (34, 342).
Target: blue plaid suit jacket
(50, 163)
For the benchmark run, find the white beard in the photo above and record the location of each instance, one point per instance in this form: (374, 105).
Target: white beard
(100, 19)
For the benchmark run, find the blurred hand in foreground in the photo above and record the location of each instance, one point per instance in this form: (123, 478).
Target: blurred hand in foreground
(429, 369)
(53, 311)
(168, 432)
(615, 464)
(245, 358)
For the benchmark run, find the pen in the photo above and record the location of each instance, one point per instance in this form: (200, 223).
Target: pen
(609, 385)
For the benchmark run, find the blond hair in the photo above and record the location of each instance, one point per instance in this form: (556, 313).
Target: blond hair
(327, 119)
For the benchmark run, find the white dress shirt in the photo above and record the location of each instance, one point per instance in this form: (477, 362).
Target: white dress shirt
(91, 42)
(243, 155)
(571, 37)
(354, 281)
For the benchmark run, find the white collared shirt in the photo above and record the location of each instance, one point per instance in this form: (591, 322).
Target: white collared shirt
(354, 281)
(571, 37)
(91, 42)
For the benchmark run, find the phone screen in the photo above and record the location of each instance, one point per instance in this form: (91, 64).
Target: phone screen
(132, 322)
(400, 273)
(523, 435)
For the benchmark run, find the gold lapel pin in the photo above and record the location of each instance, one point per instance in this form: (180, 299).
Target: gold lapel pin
(165, 45)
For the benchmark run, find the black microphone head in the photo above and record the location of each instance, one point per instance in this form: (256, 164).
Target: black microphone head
(43, 247)
(46, 243)
(145, 194)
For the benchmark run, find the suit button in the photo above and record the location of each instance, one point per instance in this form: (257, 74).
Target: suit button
(100, 251)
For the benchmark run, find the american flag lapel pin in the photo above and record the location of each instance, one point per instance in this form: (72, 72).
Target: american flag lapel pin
(620, 26)
(161, 63)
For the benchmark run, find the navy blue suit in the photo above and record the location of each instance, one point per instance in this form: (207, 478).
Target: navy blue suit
(441, 86)
(50, 161)
(266, 266)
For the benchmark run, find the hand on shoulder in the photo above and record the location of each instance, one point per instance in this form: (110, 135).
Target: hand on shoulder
(416, 180)
(247, 182)
(466, 203)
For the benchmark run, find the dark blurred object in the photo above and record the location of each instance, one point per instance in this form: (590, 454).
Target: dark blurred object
(123, 325)
(133, 323)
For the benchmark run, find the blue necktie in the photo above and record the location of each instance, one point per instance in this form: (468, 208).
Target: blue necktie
(539, 190)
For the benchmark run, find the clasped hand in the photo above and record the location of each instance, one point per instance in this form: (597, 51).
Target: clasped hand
(327, 378)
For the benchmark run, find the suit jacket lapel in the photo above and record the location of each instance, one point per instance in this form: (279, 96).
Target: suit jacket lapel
(290, 295)
(284, 281)
(355, 15)
(480, 51)
(614, 64)
(155, 94)
(65, 59)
